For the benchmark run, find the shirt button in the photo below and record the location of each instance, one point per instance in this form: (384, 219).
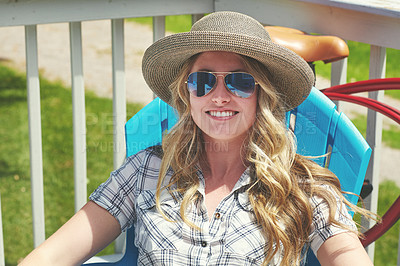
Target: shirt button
(203, 244)
(217, 215)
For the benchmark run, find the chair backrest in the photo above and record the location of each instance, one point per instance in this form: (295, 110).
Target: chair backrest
(319, 130)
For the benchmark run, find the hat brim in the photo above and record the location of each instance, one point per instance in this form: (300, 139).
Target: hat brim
(289, 73)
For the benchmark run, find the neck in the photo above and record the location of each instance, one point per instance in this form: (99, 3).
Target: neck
(223, 159)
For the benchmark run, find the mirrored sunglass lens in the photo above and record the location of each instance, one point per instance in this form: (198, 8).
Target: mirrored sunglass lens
(200, 83)
(240, 84)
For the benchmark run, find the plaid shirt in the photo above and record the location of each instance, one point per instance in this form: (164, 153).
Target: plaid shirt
(230, 237)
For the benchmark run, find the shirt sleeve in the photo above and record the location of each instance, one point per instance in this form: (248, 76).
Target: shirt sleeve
(321, 229)
(117, 194)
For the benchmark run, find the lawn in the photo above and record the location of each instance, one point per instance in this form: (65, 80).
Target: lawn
(56, 110)
(386, 247)
(390, 135)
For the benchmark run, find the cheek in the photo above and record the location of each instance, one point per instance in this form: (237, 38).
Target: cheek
(251, 110)
(250, 118)
(195, 109)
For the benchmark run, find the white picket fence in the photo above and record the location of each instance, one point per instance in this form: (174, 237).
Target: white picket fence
(376, 26)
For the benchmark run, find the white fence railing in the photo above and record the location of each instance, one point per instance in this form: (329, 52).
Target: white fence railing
(375, 26)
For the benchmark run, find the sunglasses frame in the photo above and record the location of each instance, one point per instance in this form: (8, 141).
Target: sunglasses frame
(223, 75)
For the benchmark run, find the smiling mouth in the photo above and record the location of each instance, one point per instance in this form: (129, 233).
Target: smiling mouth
(222, 113)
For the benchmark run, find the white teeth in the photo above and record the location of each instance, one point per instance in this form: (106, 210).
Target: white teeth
(221, 114)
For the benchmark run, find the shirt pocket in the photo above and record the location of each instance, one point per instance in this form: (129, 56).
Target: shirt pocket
(153, 231)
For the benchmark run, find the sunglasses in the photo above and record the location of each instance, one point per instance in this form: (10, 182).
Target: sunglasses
(239, 84)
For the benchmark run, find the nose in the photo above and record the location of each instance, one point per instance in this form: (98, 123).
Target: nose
(220, 95)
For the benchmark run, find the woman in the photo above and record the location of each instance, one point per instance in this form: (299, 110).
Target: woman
(226, 187)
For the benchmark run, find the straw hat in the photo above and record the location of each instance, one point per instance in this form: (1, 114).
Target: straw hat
(230, 32)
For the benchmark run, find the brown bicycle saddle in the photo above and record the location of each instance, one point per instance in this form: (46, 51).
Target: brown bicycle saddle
(311, 47)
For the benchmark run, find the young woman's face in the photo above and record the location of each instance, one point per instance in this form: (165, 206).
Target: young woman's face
(220, 115)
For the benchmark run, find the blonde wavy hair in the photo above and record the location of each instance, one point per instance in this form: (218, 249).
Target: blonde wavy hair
(282, 181)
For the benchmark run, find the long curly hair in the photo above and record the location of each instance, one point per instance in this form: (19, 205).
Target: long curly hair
(282, 181)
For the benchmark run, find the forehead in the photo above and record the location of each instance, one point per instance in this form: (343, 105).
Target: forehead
(218, 61)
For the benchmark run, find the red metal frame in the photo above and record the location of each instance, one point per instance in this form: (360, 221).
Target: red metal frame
(391, 216)
(382, 108)
(342, 92)
(366, 85)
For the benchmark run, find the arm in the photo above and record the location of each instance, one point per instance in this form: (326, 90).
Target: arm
(84, 235)
(343, 249)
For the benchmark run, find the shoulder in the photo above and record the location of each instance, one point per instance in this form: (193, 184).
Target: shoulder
(144, 166)
(327, 201)
(150, 156)
(325, 192)
(138, 172)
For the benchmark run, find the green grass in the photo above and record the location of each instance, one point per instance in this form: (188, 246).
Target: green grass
(386, 246)
(358, 65)
(390, 136)
(180, 23)
(56, 111)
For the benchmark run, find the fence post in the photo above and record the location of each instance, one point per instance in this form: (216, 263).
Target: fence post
(196, 17)
(119, 103)
(79, 115)
(338, 75)
(35, 134)
(377, 68)
(158, 31)
(398, 251)
(158, 28)
(2, 261)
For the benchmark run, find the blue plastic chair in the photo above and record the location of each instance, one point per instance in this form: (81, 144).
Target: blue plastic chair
(319, 130)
